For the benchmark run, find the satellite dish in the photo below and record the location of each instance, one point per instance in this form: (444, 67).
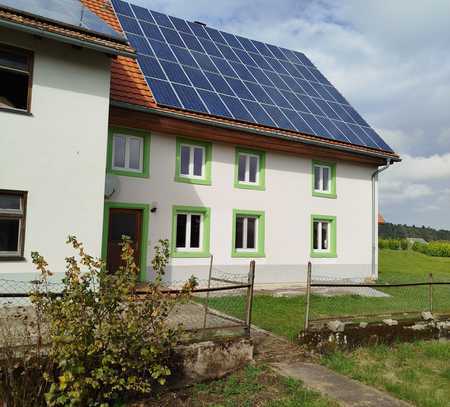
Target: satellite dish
(111, 185)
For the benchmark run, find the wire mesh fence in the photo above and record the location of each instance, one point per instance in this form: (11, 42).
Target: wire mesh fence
(330, 300)
(218, 306)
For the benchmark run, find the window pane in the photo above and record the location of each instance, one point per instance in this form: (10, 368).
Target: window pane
(181, 230)
(9, 235)
(123, 223)
(326, 178)
(119, 151)
(135, 153)
(239, 232)
(184, 157)
(241, 167)
(11, 202)
(195, 231)
(13, 60)
(324, 226)
(251, 233)
(253, 168)
(198, 161)
(317, 178)
(315, 235)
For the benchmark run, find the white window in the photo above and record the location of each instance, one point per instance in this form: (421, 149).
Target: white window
(322, 178)
(246, 233)
(128, 153)
(321, 235)
(192, 161)
(248, 168)
(189, 231)
(12, 223)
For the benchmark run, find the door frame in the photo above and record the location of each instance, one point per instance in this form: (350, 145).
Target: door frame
(144, 231)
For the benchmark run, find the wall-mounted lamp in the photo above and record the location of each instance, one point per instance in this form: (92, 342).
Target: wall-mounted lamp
(154, 207)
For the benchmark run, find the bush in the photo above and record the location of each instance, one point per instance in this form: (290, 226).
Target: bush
(436, 249)
(109, 344)
(404, 244)
(393, 244)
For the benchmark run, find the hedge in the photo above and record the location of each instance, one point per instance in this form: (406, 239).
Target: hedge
(393, 244)
(435, 249)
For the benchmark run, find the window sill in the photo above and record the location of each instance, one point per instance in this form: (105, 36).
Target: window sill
(324, 195)
(247, 255)
(129, 174)
(15, 111)
(12, 258)
(255, 187)
(196, 181)
(318, 255)
(177, 254)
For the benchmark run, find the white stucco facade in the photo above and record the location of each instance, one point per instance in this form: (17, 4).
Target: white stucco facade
(287, 202)
(58, 153)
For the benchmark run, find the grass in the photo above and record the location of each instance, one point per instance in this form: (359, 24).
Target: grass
(285, 316)
(251, 386)
(416, 372)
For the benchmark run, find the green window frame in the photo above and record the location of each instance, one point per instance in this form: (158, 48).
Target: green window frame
(331, 193)
(144, 172)
(260, 234)
(144, 232)
(205, 179)
(260, 184)
(331, 252)
(204, 250)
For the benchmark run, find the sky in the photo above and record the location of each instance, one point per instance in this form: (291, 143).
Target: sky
(390, 59)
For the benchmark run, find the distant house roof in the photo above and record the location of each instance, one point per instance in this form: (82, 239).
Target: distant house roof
(64, 20)
(381, 220)
(135, 84)
(416, 240)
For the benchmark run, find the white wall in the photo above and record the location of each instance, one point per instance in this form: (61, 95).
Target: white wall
(288, 204)
(58, 154)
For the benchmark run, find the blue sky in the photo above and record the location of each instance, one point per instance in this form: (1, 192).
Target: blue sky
(389, 58)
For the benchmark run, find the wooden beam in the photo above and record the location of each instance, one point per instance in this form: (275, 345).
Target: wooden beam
(174, 126)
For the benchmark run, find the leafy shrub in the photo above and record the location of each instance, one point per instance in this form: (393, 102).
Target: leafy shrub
(108, 342)
(393, 244)
(436, 249)
(404, 244)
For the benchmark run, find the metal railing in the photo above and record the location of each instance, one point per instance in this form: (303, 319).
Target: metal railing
(347, 301)
(218, 306)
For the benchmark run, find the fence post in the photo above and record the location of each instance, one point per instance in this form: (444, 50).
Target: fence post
(430, 292)
(207, 293)
(249, 304)
(308, 296)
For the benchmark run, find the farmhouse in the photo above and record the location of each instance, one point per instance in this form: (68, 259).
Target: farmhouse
(226, 146)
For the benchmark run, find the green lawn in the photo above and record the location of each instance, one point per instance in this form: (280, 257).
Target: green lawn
(416, 372)
(251, 386)
(285, 316)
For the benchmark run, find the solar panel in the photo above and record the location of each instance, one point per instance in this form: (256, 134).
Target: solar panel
(69, 12)
(197, 68)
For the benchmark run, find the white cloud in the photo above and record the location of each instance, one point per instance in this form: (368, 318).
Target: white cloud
(432, 168)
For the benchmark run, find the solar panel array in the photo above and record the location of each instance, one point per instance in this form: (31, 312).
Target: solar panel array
(68, 12)
(193, 67)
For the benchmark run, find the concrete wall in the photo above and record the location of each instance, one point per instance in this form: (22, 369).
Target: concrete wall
(288, 204)
(58, 154)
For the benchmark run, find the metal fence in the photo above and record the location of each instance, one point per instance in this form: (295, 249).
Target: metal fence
(219, 305)
(327, 300)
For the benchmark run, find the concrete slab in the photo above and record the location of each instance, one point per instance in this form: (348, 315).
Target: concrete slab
(345, 391)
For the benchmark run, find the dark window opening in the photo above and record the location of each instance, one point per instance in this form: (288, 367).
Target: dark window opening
(15, 78)
(12, 224)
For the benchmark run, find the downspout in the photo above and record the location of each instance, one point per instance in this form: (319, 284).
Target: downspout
(374, 215)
